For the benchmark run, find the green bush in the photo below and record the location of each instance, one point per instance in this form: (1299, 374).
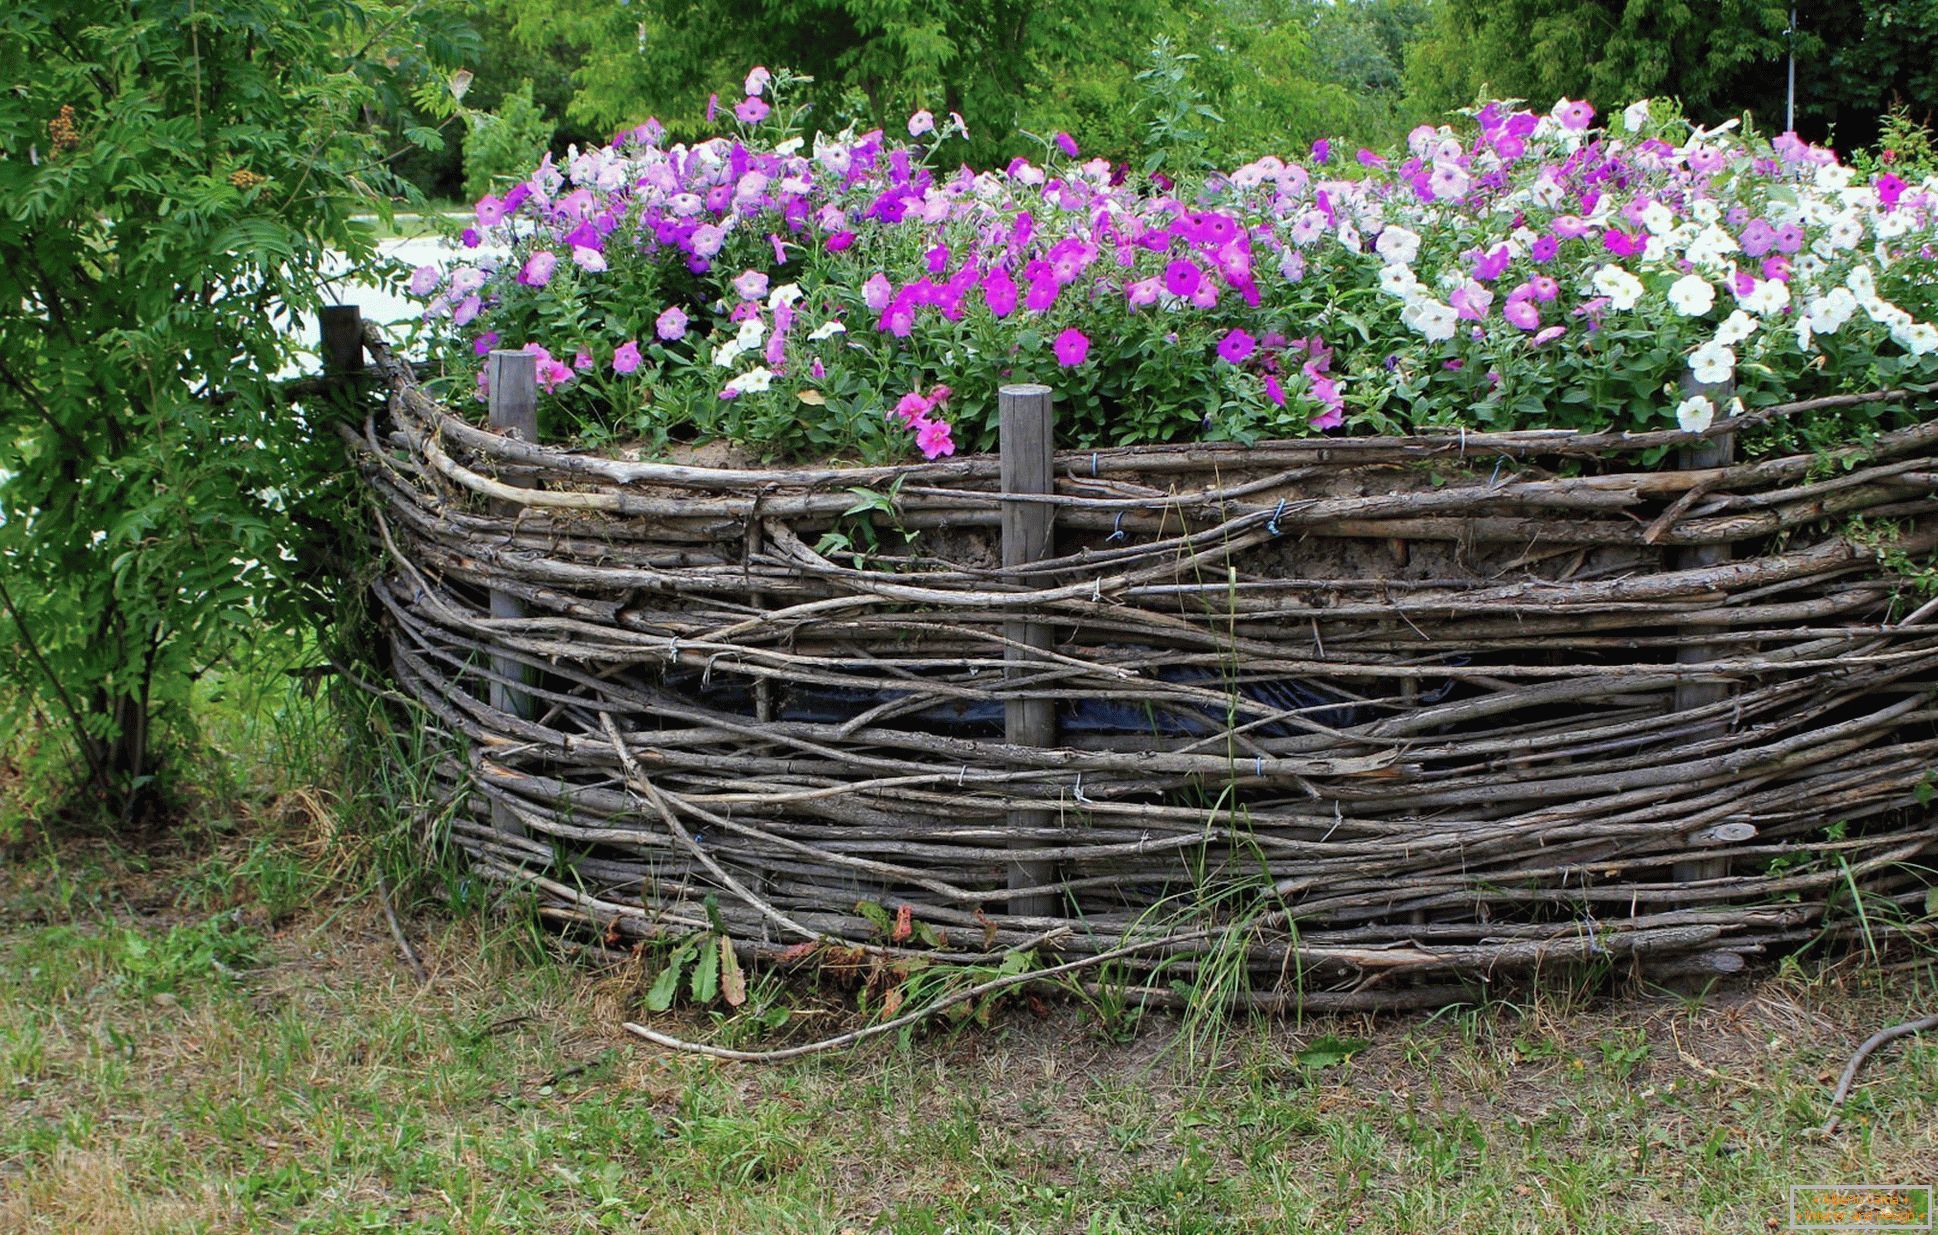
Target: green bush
(501, 146)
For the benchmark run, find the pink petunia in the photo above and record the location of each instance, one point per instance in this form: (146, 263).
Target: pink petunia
(671, 324)
(1236, 346)
(625, 358)
(1071, 347)
(932, 438)
(751, 110)
(538, 268)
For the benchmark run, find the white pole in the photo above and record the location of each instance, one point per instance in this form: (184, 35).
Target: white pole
(1790, 105)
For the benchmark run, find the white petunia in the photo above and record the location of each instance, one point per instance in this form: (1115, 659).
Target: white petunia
(1397, 281)
(1635, 115)
(1767, 297)
(1737, 327)
(752, 332)
(786, 293)
(752, 382)
(827, 330)
(727, 353)
(1920, 339)
(1695, 413)
(1713, 363)
(1692, 295)
(1658, 218)
(1623, 289)
(1432, 318)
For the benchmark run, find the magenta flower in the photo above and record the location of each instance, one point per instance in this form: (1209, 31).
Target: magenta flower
(1522, 314)
(1141, 293)
(1544, 248)
(877, 291)
(1067, 144)
(1274, 391)
(999, 292)
(1321, 150)
(491, 210)
(838, 241)
(1041, 295)
(932, 437)
(625, 357)
(751, 110)
(582, 360)
(471, 238)
(671, 325)
(484, 342)
(912, 408)
(1182, 277)
(1236, 346)
(1549, 335)
(1620, 243)
(1890, 187)
(1573, 115)
(1071, 347)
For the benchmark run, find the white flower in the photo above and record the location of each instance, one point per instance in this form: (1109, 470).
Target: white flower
(1349, 236)
(727, 353)
(1397, 281)
(1861, 281)
(1737, 327)
(1432, 318)
(1635, 115)
(827, 330)
(1920, 339)
(1705, 211)
(752, 332)
(1658, 218)
(1695, 413)
(788, 148)
(1767, 297)
(1713, 363)
(1692, 295)
(752, 382)
(1845, 232)
(1833, 176)
(1710, 247)
(786, 293)
(1623, 289)
(1891, 226)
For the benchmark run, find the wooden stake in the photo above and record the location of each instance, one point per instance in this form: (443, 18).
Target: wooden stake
(341, 326)
(513, 379)
(1715, 452)
(1028, 536)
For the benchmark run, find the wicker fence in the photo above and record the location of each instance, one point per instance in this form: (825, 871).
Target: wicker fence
(1391, 715)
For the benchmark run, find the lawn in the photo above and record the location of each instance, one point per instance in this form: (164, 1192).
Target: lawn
(218, 1033)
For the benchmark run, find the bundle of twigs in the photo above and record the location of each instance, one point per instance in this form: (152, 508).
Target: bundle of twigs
(1378, 714)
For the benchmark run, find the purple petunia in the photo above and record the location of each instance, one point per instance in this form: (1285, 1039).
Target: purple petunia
(1236, 346)
(671, 324)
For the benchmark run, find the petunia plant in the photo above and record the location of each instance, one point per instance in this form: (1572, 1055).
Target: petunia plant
(1518, 269)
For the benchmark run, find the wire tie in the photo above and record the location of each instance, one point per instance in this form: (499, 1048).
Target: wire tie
(1272, 524)
(1116, 529)
(1079, 790)
(1258, 765)
(961, 774)
(673, 649)
(1097, 590)
(1497, 471)
(1093, 465)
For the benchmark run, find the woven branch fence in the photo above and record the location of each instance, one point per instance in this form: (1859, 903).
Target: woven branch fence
(1392, 715)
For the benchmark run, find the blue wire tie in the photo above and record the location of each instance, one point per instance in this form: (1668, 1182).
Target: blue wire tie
(1497, 471)
(1116, 529)
(1272, 524)
(1258, 765)
(1093, 465)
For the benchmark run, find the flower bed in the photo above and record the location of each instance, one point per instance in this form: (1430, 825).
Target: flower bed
(1528, 671)
(1385, 714)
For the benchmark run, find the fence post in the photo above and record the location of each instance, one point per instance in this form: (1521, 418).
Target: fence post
(1028, 534)
(341, 326)
(1713, 452)
(513, 380)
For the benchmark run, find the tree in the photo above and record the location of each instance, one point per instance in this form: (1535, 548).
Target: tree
(174, 174)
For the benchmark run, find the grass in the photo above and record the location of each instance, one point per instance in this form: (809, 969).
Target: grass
(219, 1035)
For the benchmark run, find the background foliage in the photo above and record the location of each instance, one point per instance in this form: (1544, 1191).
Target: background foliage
(173, 175)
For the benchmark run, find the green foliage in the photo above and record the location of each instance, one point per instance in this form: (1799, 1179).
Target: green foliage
(504, 144)
(173, 176)
(1855, 58)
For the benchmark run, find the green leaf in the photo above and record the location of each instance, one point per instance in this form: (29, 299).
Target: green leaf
(660, 997)
(1329, 1051)
(706, 974)
(877, 917)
